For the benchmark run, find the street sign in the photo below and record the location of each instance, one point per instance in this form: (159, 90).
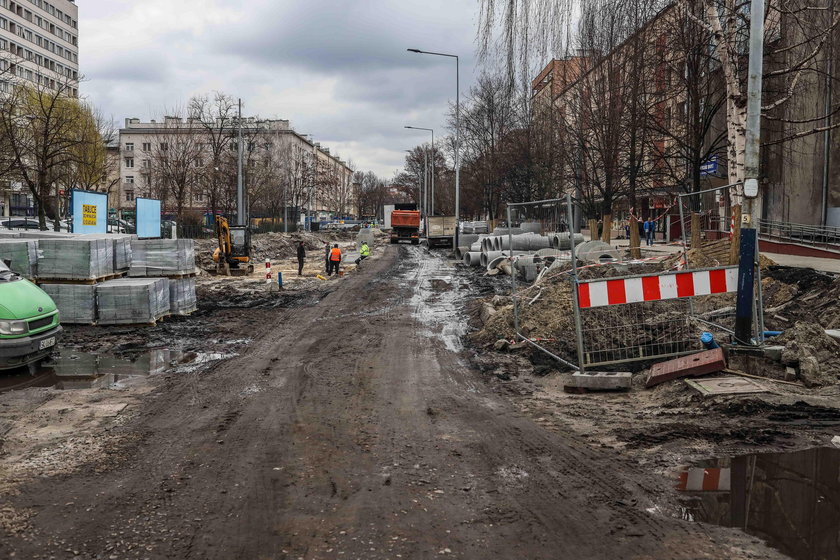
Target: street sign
(710, 166)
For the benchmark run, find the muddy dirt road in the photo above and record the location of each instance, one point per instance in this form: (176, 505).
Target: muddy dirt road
(352, 428)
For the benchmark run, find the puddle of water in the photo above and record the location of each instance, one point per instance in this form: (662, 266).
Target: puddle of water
(70, 369)
(792, 500)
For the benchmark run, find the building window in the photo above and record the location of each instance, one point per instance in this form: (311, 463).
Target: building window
(164, 146)
(129, 146)
(129, 196)
(129, 179)
(129, 162)
(147, 163)
(147, 146)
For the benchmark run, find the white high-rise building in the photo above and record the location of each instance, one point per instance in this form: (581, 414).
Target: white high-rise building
(39, 42)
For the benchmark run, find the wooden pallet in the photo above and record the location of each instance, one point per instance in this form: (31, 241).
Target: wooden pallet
(80, 281)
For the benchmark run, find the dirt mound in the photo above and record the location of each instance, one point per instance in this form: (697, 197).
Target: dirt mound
(800, 294)
(815, 354)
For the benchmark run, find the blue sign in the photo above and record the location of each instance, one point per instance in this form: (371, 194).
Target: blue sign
(148, 217)
(710, 166)
(90, 211)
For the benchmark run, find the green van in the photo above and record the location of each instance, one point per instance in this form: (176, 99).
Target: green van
(29, 322)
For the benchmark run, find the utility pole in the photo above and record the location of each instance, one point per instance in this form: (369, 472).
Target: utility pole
(240, 191)
(746, 265)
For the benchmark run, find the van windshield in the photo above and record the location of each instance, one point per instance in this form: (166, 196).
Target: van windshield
(6, 275)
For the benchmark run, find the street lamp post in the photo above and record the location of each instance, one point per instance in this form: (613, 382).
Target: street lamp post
(430, 208)
(457, 136)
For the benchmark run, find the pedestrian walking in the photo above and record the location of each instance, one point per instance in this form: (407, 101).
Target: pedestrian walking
(364, 252)
(335, 260)
(301, 255)
(326, 257)
(650, 230)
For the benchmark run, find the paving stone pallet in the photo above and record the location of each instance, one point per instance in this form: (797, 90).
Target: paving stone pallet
(22, 254)
(76, 302)
(75, 258)
(162, 257)
(129, 301)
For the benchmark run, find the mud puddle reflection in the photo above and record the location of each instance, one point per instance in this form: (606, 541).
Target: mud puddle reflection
(72, 369)
(792, 500)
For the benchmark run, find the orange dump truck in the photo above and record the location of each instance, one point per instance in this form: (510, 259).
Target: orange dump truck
(405, 226)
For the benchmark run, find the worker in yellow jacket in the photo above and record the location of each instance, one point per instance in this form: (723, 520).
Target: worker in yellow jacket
(364, 252)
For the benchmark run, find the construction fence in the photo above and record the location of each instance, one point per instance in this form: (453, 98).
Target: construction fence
(598, 309)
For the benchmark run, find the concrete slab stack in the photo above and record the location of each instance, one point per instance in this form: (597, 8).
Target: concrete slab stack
(75, 258)
(162, 257)
(76, 302)
(182, 298)
(121, 248)
(22, 253)
(132, 300)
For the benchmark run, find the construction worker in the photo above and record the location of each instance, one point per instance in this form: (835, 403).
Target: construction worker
(335, 259)
(301, 254)
(364, 253)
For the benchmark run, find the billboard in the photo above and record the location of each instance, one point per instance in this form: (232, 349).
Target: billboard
(90, 211)
(148, 217)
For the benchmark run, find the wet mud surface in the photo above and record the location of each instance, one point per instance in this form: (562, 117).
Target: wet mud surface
(354, 423)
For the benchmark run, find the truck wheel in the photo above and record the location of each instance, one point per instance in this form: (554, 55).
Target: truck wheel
(415, 241)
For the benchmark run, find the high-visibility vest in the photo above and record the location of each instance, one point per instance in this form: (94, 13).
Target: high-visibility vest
(335, 254)
(365, 252)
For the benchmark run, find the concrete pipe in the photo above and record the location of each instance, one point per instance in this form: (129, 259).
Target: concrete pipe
(597, 251)
(530, 242)
(531, 227)
(475, 247)
(461, 251)
(467, 238)
(472, 258)
(507, 231)
(563, 240)
(490, 255)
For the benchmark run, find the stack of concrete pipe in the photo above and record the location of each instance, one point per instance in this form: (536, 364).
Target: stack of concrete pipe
(533, 251)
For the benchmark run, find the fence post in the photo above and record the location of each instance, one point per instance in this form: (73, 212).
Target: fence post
(512, 275)
(575, 303)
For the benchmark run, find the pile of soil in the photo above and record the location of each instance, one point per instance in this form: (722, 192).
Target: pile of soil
(814, 354)
(275, 246)
(800, 294)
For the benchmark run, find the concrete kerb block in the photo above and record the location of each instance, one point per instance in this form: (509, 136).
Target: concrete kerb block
(599, 381)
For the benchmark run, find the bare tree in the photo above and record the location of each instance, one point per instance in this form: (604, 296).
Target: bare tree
(176, 162)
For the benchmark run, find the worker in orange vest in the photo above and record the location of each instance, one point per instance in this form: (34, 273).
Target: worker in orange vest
(335, 259)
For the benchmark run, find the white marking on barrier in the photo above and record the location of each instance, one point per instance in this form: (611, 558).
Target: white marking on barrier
(731, 279)
(702, 283)
(668, 287)
(633, 290)
(598, 292)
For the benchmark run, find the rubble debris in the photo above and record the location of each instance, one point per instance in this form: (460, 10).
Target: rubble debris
(702, 363)
(814, 354)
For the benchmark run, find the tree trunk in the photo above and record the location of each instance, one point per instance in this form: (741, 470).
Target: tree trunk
(735, 247)
(635, 239)
(606, 233)
(593, 230)
(695, 230)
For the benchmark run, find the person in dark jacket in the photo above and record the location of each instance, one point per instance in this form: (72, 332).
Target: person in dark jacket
(650, 231)
(301, 254)
(326, 257)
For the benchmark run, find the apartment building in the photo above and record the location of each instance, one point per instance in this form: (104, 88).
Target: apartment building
(39, 43)
(800, 180)
(282, 167)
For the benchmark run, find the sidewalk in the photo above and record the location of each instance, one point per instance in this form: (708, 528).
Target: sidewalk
(660, 248)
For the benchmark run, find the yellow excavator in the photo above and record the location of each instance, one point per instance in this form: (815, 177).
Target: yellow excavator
(233, 256)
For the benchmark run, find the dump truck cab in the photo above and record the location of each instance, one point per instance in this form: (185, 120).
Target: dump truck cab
(29, 321)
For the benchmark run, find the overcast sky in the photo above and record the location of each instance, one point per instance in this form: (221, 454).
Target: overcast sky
(337, 69)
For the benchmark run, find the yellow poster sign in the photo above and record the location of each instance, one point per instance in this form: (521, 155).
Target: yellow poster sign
(88, 214)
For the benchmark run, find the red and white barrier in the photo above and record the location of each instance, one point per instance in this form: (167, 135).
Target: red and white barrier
(699, 479)
(268, 272)
(656, 287)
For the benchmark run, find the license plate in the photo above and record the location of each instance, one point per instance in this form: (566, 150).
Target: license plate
(47, 343)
